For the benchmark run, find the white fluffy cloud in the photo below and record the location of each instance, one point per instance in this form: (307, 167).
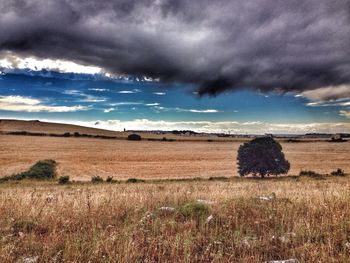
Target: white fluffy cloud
(109, 110)
(328, 93)
(204, 111)
(27, 104)
(10, 61)
(158, 108)
(328, 96)
(84, 97)
(252, 127)
(129, 91)
(345, 113)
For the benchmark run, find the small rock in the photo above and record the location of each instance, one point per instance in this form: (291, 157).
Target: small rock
(293, 260)
(209, 219)
(347, 244)
(167, 208)
(267, 198)
(28, 260)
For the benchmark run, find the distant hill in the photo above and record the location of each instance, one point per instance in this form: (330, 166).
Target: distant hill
(39, 128)
(35, 126)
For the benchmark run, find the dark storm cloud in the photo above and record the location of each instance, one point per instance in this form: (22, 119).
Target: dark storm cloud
(216, 45)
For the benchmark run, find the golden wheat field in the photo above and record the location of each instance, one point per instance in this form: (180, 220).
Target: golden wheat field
(82, 158)
(242, 220)
(235, 220)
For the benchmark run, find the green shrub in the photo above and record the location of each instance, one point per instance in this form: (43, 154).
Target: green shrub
(338, 172)
(63, 179)
(194, 210)
(5, 179)
(96, 179)
(109, 179)
(45, 169)
(134, 180)
(309, 173)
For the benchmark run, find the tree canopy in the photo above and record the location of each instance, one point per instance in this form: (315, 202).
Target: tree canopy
(263, 157)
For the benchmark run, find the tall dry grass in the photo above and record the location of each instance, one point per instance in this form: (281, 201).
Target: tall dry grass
(309, 220)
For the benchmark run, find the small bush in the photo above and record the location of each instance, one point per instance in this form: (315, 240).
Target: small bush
(134, 180)
(194, 210)
(5, 179)
(338, 172)
(63, 180)
(96, 179)
(45, 169)
(309, 173)
(134, 137)
(109, 179)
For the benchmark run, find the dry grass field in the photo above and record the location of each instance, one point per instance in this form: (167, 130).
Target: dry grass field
(82, 158)
(236, 220)
(309, 220)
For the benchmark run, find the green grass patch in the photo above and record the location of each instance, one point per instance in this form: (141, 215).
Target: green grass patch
(43, 170)
(194, 210)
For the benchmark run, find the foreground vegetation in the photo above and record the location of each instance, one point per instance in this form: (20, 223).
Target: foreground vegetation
(241, 220)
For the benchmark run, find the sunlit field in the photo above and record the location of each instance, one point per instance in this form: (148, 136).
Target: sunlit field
(164, 219)
(241, 220)
(174, 131)
(82, 158)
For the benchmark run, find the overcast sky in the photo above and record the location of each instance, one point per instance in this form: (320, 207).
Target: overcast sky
(212, 65)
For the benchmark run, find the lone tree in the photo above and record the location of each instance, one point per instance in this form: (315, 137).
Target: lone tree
(263, 157)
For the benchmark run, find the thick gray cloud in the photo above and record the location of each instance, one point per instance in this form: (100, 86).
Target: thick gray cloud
(217, 45)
